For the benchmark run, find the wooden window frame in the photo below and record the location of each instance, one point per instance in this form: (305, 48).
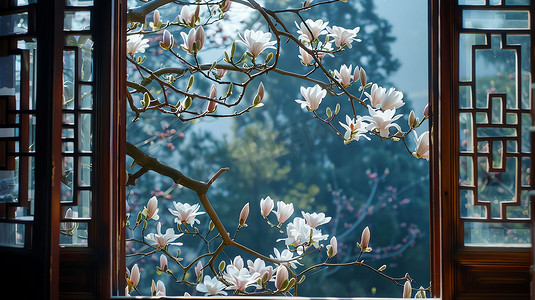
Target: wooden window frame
(450, 263)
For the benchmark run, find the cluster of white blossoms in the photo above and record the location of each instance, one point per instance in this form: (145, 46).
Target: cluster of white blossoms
(301, 233)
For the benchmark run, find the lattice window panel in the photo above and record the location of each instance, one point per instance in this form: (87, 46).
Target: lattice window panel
(494, 113)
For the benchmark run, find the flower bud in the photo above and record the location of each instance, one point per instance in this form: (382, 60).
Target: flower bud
(426, 110)
(134, 275)
(226, 6)
(365, 238)
(213, 94)
(198, 269)
(219, 73)
(407, 289)
(282, 275)
(266, 206)
(356, 74)
(244, 214)
(362, 76)
(260, 91)
(163, 262)
(167, 40)
(199, 38)
(332, 248)
(156, 18)
(413, 122)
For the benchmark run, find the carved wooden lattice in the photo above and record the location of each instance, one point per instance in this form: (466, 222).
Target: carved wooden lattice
(494, 119)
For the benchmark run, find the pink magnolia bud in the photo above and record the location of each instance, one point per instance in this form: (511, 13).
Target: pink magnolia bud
(213, 94)
(163, 262)
(362, 76)
(266, 206)
(226, 6)
(199, 38)
(407, 289)
(426, 110)
(167, 40)
(198, 269)
(356, 74)
(134, 275)
(332, 248)
(244, 214)
(365, 238)
(259, 94)
(282, 275)
(156, 17)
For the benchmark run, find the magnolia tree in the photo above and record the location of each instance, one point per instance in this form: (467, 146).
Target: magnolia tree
(178, 87)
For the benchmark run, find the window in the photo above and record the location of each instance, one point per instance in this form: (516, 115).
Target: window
(466, 261)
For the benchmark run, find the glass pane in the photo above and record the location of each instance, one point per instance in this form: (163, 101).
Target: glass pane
(79, 2)
(469, 209)
(466, 133)
(77, 20)
(497, 234)
(465, 97)
(495, 19)
(12, 235)
(471, 2)
(14, 24)
(73, 234)
(466, 43)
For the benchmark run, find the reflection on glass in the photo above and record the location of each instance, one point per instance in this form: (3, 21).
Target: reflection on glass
(14, 24)
(77, 20)
(466, 132)
(495, 19)
(497, 234)
(466, 171)
(468, 207)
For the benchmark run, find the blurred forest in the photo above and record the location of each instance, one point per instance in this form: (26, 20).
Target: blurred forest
(280, 151)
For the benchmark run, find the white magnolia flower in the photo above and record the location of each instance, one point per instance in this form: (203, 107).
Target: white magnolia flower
(136, 43)
(259, 266)
(266, 206)
(189, 17)
(240, 279)
(344, 76)
(161, 240)
(152, 209)
(355, 128)
(157, 289)
(257, 41)
(332, 248)
(286, 257)
(313, 97)
(376, 96)
(186, 213)
(299, 233)
(211, 286)
(284, 211)
(314, 219)
(392, 100)
(422, 146)
(342, 36)
(194, 40)
(237, 262)
(312, 30)
(382, 121)
(306, 58)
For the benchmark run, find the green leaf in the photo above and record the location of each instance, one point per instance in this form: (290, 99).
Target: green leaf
(256, 100)
(139, 216)
(337, 109)
(302, 279)
(291, 283)
(213, 65)
(227, 58)
(222, 266)
(284, 285)
(211, 226)
(329, 112)
(145, 223)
